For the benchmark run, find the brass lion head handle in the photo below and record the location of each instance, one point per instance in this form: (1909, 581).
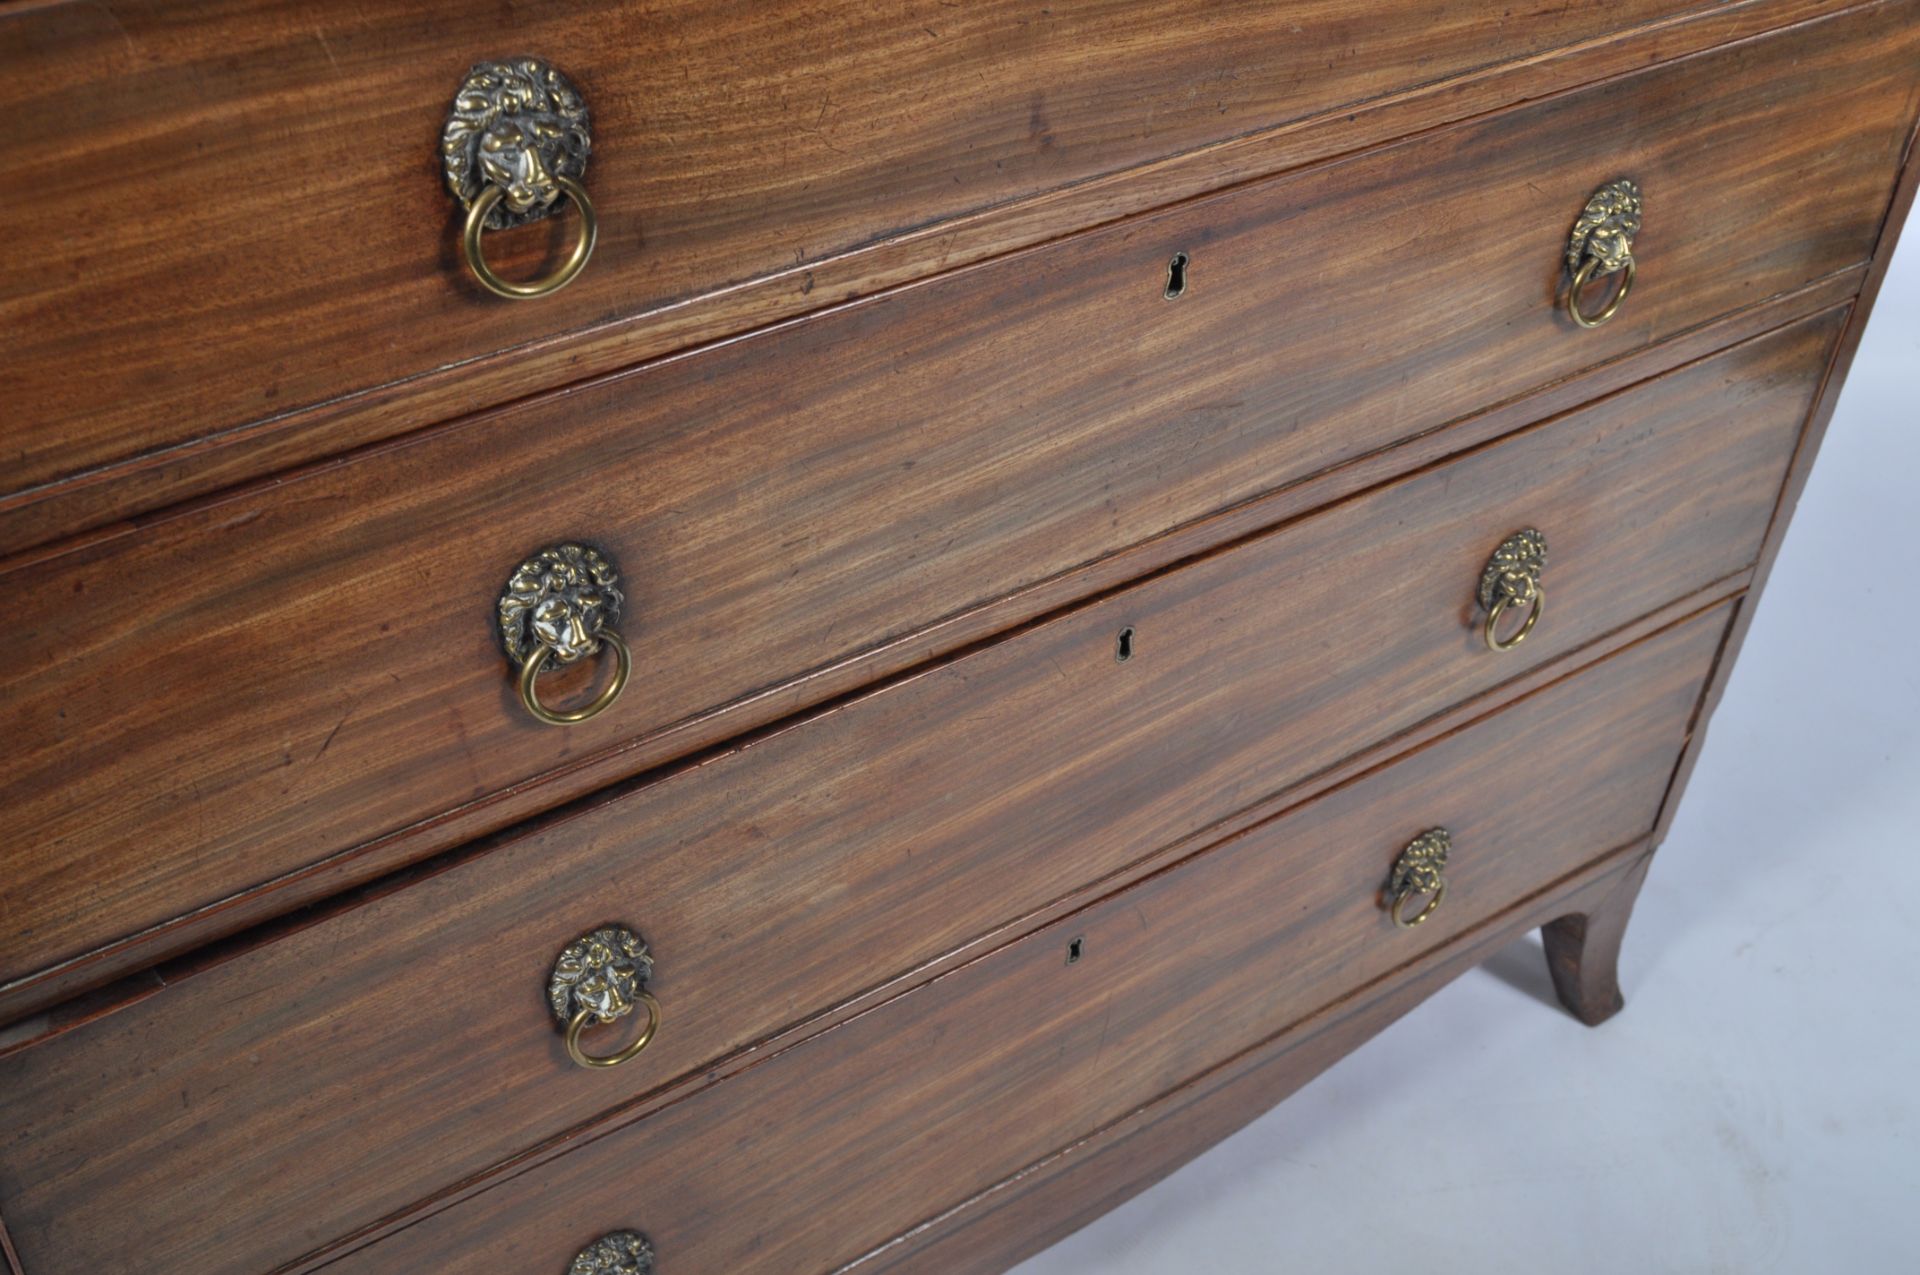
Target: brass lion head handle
(599, 979)
(559, 607)
(1602, 245)
(1419, 871)
(618, 1253)
(1511, 579)
(515, 147)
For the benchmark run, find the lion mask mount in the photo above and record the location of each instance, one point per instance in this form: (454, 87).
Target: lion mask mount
(518, 125)
(561, 598)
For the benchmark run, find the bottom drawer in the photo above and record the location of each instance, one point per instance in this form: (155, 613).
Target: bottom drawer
(843, 1141)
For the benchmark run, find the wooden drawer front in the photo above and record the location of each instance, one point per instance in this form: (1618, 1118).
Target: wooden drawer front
(782, 504)
(808, 866)
(276, 234)
(844, 1141)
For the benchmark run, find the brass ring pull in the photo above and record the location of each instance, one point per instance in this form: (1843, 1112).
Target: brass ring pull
(1433, 901)
(1510, 579)
(560, 606)
(579, 1023)
(569, 269)
(599, 979)
(515, 142)
(1580, 279)
(1418, 871)
(623, 669)
(1500, 607)
(1602, 245)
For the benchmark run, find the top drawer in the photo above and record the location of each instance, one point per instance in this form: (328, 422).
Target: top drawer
(233, 211)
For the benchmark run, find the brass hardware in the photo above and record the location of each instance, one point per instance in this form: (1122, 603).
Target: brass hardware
(1512, 579)
(1602, 245)
(560, 606)
(530, 671)
(576, 260)
(515, 142)
(1611, 308)
(1416, 872)
(599, 979)
(619, 1253)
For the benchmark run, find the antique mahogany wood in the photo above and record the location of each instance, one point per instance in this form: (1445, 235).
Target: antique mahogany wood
(151, 480)
(88, 887)
(1583, 959)
(47, 987)
(87, 1009)
(1050, 761)
(1024, 1214)
(1069, 1155)
(1802, 467)
(1048, 1200)
(940, 1093)
(302, 754)
(737, 140)
(874, 143)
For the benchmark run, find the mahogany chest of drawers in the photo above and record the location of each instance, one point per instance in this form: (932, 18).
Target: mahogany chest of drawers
(779, 638)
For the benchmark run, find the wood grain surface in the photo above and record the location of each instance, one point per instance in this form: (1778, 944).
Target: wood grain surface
(1898, 214)
(1030, 1210)
(53, 989)
(331, 630)
(236, 212)
(780, 877)
(826, 1149)
(1053, 1197)
(812, 504)
(157, 478)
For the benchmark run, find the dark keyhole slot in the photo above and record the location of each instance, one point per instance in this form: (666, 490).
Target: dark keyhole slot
(1176, 276)
(1074, 949)
(1123, 649)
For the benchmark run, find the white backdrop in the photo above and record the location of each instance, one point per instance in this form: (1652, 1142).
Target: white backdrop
(1754, 1108)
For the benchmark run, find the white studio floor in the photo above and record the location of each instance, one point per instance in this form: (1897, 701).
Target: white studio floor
(1754, 1109)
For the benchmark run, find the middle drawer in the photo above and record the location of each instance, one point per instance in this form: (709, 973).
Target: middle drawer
(392, 1048)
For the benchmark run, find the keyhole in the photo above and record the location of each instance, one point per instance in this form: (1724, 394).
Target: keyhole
(1123, 648)
(1074, 950)
(1176, 276)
